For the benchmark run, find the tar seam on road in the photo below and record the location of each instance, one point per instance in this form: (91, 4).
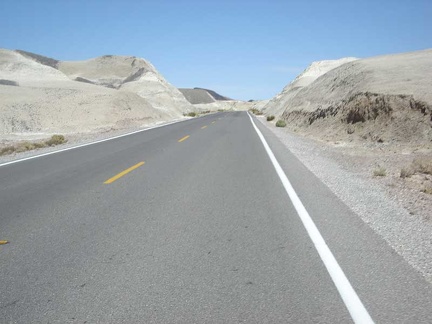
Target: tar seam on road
(121, 174)
(183, 138)
(357, 310)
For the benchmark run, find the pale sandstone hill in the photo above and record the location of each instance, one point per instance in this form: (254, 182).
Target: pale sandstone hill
(278, 104)
(44, 100)
(132, 74)
(385, 98)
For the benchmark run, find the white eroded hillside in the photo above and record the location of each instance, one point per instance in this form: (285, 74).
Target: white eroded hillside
(278, 104)
(38, 98)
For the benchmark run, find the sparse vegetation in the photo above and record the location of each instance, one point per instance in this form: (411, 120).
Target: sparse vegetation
(7, 150)
(427, 190)
(255, 111)
(423, 165)
(28, 146)
(221, 110)
(270, 118)
(56, 140)
(406, 172)
(280, 123)
(190, 114)
(420, 165)
(380, 172)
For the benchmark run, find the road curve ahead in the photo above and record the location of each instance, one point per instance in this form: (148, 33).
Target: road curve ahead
(192, 223)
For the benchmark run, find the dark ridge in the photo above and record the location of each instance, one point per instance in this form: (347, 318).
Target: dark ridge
(40, 59)
(215, 95)
(9, 83)
(79, 79)
(135, 76)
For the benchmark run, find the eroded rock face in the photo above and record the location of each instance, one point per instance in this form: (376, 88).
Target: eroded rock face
(384, 98)
(105, 93)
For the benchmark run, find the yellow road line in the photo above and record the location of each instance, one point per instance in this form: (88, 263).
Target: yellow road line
(2, 242)
(203, 127)
(121, 174)
(183, 139)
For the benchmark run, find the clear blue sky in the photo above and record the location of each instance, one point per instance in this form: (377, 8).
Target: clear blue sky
(242, 49)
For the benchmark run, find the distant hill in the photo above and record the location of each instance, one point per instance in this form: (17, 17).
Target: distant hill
(202, 96)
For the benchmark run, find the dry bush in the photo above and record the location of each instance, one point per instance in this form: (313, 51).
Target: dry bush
(406, 172)
(270, 118)
(255, 111)
(280, 123)
(56, 140)
(7, 150)
(25, 146)
(380, 172)
(423, 165)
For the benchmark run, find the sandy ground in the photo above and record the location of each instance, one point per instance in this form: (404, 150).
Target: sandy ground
(394, 207)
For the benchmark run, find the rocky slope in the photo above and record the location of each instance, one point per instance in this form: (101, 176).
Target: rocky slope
(130, 74)
(39, 95)
(278, 104)
(382, 99)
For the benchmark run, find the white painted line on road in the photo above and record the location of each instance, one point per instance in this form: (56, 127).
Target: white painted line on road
(91, 143)
(358, 312)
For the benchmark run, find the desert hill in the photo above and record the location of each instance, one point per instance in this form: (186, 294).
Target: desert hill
(277, 105)
(44, 95)
(385, 98)
(202, 96)
(130, 74)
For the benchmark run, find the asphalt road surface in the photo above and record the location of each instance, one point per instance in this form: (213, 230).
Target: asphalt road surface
(191, 223)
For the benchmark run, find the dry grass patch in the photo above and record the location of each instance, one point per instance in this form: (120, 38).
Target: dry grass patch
(56, 140)
(28, 146)
(423, 165)
(380, 172)
(255, 111)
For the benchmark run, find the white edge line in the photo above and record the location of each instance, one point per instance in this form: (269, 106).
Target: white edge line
(95, 142)
(358, 312)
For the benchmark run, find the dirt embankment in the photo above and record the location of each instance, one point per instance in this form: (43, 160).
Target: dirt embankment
(367, 116)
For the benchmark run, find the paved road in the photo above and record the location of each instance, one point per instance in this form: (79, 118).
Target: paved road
(202, 232)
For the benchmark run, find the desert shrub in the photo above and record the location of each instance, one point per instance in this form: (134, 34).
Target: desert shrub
(25, 146)
(40, 145)
(255, 111)
(191, 114)
(270, 118)
(427, 190)
(380, 172)
(423, 165)
(406, 172)
(220, 110)
(280, 123)
(56, 140)
(7, 150)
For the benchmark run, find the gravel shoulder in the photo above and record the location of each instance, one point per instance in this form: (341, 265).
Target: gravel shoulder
(393, 207)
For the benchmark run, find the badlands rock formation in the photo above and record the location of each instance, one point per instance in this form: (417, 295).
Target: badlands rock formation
(278, 104)
(45, 96)
(385, 98)
(209, 100)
